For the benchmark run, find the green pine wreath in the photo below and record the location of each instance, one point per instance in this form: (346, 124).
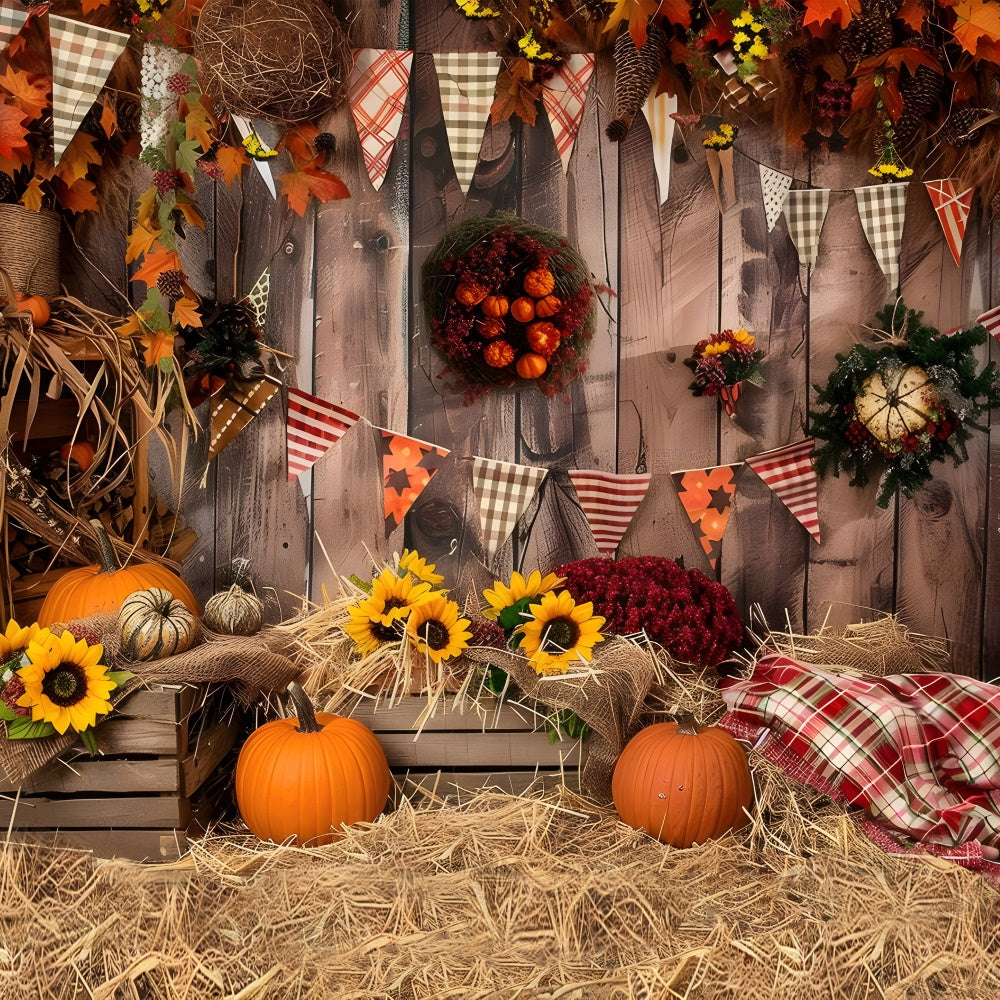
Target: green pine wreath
(907, 402)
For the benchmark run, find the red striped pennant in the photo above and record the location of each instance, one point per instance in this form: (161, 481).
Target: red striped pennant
(991, 320)
(952, 211)
(610, 501)
(312, 427)
(790, 474)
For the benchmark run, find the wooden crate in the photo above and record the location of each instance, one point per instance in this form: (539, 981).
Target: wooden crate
(143, 796)
(460, 749)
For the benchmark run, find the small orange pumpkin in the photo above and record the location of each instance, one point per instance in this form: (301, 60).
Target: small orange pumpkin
(539, 282)
(547, 307)
(470, 293)
(682, 783)
(81, 452)
(490, 328)
(496, 306)
(531, 365)
(36, 306)
(543, 337)
(498, 354)
(523, 310)
(301, 779)
(93, 590)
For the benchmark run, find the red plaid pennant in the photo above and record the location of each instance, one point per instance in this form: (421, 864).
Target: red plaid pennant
(952, 211)
(610, 501)
(564, 98)
(377, 94)
(789, 472)
(312, 427)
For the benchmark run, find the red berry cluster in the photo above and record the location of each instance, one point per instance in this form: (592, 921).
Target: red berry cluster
(179, 84)
(167, 181)
(834, 97)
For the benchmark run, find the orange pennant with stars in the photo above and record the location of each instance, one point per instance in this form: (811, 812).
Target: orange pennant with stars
(707, 496)
(408, 465)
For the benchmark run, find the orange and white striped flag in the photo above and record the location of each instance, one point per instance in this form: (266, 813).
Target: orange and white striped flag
(952, 211)
(790, 474)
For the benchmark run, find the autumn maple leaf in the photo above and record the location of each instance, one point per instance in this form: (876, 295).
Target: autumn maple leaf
(158, 345)
(301, 185)
(80, 196)
(13, 134)
(79, 155)
(517, 93)
(141, 241)
(186, 313)
(638, 12)
(232, 159)
(109, 118)
(300, 144)
(30, 93)
(156, 261)
(976, 21)
(33, 197)
(820, 14)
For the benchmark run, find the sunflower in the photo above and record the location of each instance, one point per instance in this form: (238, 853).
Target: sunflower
(368, 633)
(414, 564)
(392, 596)
(503, 598)
(560, 632)
(15, 639)
(65, 683)
(434, 628)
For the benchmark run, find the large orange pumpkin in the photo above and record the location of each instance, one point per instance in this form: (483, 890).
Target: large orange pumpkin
(302, 778)
(682, 783)
(93, 590)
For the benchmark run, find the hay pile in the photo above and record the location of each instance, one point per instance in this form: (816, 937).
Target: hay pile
(504, 896)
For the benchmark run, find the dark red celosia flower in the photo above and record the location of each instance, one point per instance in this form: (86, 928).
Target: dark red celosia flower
(693, 618)
(11, 691)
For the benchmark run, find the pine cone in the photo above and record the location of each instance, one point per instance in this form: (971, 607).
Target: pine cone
(171, 284)
(636, 71)
(869, 33)
(921, 94)
(962, 126)
(796, 59)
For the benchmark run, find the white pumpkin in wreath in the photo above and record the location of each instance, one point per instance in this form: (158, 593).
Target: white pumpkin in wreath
(896, 402)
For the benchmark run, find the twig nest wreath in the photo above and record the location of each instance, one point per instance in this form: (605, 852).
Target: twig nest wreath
(267, 59)
(509, 303)
(905, 403)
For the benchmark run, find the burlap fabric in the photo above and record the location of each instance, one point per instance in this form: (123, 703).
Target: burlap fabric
(251, 665)
(610, 697)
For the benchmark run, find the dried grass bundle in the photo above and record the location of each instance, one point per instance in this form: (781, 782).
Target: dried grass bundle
(268, 59)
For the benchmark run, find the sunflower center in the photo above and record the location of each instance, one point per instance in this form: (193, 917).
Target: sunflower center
(65, 685)
(385, 633)
(435, 634)
(392, 603)
(560, 634)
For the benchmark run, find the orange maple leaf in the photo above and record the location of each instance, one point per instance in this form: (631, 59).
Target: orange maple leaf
(13, 134)
(80, 196)
(299, 142)
(200, 125)
(638, 12)
(158, 345)
(301, 185)
(190, 210)
(92, 5)
(517, 93)
(77, 159)
(109, 118)
(145, 210)
(156, 261)
(912, 13)
(33, 197)
(141, 241)
(30, 93)
(186, 313)
(820, 14)
(976, 21)
(232, 159)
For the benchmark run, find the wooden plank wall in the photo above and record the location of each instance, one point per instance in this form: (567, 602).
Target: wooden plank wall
(346, 303)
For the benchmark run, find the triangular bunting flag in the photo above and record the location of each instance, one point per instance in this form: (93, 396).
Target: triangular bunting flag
(882, 208)
(805, 213)
(232, 408)
(658, 111)
(707, 496)
(408, 465)
(952, 212)
(377, 94)
(991, 320)
(467, 83)
(312, 427)
(261, 164)
(504, 491)
(789, 472)
(610, 501)
(774, 186)
(82, 57)
(564, 97)
(257, 297)
(12, 20)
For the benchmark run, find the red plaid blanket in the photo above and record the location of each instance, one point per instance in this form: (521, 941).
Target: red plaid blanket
(919, 752)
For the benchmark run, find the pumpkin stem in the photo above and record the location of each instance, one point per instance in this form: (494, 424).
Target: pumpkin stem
(304, 710)
(687, 725)
(106, 557)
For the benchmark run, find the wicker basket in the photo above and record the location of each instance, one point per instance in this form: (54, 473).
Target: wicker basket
(29, 249)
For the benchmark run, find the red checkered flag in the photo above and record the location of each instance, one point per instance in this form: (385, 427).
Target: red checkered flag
(952, 211)
(312, 427)
(564, 97)
(377, 96)
(610, 501)
(790, 474)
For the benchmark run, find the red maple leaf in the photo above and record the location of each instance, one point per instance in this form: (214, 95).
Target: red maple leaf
(819, 14)
(12, 131)
(301, 185)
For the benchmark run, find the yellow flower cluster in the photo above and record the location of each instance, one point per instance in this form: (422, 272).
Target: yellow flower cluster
(890, 171)
(531, 49)
(749, 43)
(475, 9)
(722, 138)
(401, 604)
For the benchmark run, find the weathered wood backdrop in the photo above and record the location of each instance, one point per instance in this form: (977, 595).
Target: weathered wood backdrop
(346, 303)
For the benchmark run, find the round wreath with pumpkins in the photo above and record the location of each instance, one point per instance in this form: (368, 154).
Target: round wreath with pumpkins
(910, 400)
(509, 303)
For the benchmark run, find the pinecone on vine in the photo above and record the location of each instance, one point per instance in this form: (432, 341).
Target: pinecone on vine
(796, 59)
(962, 126)
(636, 71)
(869, 33)
(170, 284)
(128, 113)
(921, 94)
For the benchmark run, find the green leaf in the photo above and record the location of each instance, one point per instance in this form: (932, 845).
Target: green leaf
(119, 677)
(188, 153)
(89, 740)
(7, 714)
(166, 365)
(25, 729)
(154, 156)
(496, 680)
(513, 617)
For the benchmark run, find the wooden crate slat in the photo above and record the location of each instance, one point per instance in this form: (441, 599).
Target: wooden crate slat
(490, 749)
(140, 736)
(133, 845)
(81, 775)
(137, 812)
(382, 717)
(211, 747)
(445, 784)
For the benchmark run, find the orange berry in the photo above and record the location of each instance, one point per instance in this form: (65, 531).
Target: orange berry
(548, 306)
(539, 282)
